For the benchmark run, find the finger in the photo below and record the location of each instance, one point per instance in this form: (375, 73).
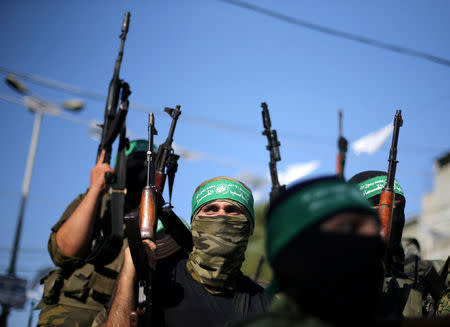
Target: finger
(150, 244)
(127, 252)
(106, 167)
(101, 158)
(151, 255)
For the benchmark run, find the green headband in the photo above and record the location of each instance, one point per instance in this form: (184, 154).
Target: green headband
(136, 146)
(308, 206)
(374, 186)
(223, 189)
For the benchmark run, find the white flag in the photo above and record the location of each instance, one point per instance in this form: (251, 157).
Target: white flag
(373, 141)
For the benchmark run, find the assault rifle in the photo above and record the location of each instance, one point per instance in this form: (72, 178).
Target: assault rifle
(274, 148)
(342, 146)
(113, 119)
(167, 165)
(167, 159)
(144, 228)
(273, 145)
(387, 197)
(109, 233)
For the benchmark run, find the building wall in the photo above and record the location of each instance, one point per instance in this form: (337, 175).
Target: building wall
(434, 223)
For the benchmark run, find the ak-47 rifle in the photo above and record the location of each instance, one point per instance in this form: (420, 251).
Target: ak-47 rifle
(108, 242)
(141, 228)
(387, 196)
(342, 146)
(274, 148)
(167, 165)
(166, 158)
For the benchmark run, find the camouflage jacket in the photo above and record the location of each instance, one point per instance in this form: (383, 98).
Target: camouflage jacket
(428, 296)
(77, 283)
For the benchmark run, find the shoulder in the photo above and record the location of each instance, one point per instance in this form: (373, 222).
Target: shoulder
(245, 284)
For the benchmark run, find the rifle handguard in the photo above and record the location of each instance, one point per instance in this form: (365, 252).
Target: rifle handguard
(385, 212)
(148, 213)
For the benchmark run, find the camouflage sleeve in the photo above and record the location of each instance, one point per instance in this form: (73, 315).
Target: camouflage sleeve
(443, 306)
(58, 257)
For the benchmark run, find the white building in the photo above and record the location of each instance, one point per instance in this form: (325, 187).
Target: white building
(432, 227)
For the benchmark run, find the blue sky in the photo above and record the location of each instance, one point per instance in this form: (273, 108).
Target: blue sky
(219, 62)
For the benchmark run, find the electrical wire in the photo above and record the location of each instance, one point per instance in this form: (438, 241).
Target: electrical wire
(291, 139)
(340, 34)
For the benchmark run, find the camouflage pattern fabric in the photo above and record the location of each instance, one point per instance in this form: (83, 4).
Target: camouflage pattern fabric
(75, 293)
(443, 307)
(219, 244)
(283, 313)
(100, 319)
(67, 316)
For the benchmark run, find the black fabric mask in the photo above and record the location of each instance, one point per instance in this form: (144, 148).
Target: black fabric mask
(336, 277)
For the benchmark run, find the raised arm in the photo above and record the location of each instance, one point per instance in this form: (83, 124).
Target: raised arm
(75, 235)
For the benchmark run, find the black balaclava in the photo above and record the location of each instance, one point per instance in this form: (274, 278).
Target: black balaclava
(337, 277)
(398, 213)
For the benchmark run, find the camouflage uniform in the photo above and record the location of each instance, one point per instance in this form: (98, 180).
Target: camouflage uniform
(443, 304)
(443, 307)
(403, 296)
(76, 292)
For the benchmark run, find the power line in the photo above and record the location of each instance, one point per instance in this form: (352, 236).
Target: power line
(52, 84)
(290, 139)
(341, 34)
(26, 250)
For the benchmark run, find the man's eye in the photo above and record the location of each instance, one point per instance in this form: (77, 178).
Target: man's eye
(232, 210)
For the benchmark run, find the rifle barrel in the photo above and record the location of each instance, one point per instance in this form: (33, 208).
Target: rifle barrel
(273, 145)
(150, 162)
(386, 204)
(112, 99)
(123, 36)
(398, 122)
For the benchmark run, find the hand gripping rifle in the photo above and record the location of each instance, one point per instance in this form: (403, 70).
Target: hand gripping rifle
(387, 197)
(273, 147)
(166, 158)
(141, 228)
(342, 146)
(109, 235)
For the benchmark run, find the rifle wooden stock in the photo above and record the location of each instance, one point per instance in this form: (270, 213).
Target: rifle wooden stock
(147, 214)
(385, 211)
